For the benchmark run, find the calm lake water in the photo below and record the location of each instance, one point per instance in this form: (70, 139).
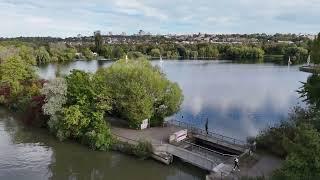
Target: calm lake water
(28, 153)
(238, 99)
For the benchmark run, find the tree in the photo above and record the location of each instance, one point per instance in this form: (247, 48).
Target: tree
(182, 51)
(73, 123)
(212, 52)
(87, 53)
(106, 52)
(28, 55)
(55, 92)
(98, 41)
(14, 72)
(6, 52)
(42, 55)
(155, 53)
(311, 90)
(169, 104)
(296, 53)
(76, 106)
(303, 161)
(138, 89)
(315, 50)
(117, 52)
(194, 54)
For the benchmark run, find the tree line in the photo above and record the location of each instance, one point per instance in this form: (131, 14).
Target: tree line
(76, 106)
(58, 51)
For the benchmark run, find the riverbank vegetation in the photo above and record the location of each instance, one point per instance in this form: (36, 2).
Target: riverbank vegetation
(143, 149)
(298, 138)
(75, 106)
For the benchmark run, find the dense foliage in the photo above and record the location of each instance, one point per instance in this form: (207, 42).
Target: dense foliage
(310, 90)
(76, 106)
(315, 50)
(298, 138)
(140, 91)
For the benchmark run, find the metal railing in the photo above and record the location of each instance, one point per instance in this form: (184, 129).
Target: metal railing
(194, 158)
(205, 151)
(218, 137)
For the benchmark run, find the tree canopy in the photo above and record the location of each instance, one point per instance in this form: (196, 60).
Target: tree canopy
(315, 50)
(140, 91)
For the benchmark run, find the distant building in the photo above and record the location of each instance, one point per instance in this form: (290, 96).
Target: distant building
(110, 33)
(123, 34)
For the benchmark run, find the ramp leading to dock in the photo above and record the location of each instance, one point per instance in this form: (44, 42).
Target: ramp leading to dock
(191, 157)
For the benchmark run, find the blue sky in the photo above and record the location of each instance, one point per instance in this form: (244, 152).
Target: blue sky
(71, 17)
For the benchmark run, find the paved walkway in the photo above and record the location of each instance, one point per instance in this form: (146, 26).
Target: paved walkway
(155, 135)
(261, 165)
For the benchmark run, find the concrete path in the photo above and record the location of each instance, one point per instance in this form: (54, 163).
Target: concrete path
(156, 135)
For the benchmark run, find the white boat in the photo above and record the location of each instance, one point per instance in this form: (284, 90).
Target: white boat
(161, 59)
(289, 61)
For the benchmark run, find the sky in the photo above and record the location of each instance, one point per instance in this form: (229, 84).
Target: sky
(64, 18)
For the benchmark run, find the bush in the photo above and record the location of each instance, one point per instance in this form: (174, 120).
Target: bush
(143, 149)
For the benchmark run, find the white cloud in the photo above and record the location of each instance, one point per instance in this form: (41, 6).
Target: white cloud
(68, 18)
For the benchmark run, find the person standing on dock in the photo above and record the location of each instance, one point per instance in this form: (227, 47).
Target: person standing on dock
(236, 164)
(206, 126)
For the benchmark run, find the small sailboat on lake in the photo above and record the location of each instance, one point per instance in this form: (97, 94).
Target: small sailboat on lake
(289, 61)
(161, 59)
(308, 60)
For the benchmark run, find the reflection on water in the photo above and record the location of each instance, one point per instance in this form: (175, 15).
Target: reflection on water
(32, 154)
(238, 99)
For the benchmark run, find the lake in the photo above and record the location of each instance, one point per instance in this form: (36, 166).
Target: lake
(239, 100)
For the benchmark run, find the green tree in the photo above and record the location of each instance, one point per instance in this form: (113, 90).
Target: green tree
(194, 54)
(117, 52)
(87, 53)
(106, 52)
(303, 161)
(98, 41)
(310, 90)
(73, 123)
(155, 53)
(42, 55)
(315, 50)
(27, 54)
(55, 92)
(14, 72)
(212, 52)
(98, 135)
(138, 89)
